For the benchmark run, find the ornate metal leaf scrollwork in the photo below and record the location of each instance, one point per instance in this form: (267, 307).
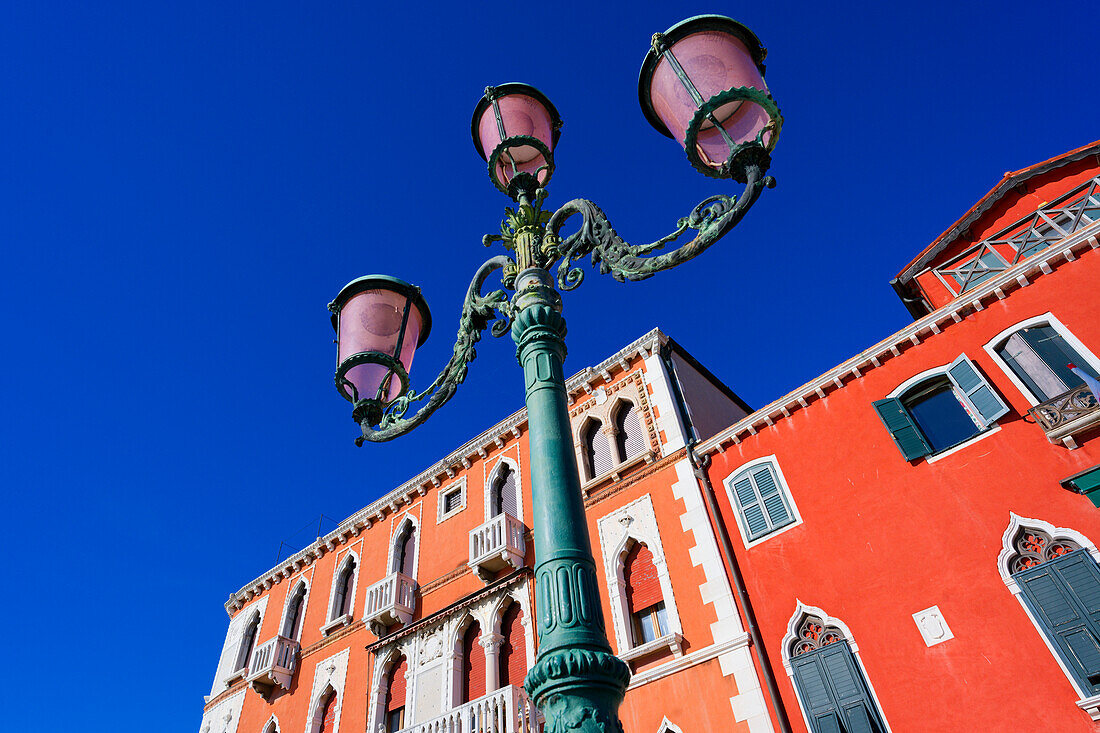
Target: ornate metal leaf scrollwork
(478, 312)
(712, 219)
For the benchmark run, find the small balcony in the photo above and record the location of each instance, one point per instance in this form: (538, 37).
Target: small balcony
(389, 601)
(508, 710)
(1068, 414)
(496, 545)
(273, 663)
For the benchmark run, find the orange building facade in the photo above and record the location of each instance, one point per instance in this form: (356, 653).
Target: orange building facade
(905, 543)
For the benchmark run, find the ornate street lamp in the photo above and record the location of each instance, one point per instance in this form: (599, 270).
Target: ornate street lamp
(702, 82)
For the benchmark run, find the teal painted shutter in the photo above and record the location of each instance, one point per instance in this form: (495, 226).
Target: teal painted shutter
(770, 493)
(1065, 595)
(903, 430)
(984, 402)
(852, 694)
(755, 521)
(834, 693)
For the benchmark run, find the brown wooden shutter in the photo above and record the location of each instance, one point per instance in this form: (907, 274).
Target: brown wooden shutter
(513, 655)
(328, 714)
(643, 587)
(473, 664)
(396, 697)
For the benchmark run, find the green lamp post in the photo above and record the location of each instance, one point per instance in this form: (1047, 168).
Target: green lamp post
(702, 82)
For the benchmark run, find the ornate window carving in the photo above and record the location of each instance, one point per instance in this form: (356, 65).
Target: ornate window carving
(1034, 547)
(814, 633)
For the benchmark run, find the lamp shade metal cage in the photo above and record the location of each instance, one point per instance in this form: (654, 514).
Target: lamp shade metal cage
(702, 83)
(380, 321)
(515, 128)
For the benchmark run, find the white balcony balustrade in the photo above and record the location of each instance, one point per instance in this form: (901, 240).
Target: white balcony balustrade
(497, 544)
(508, 710)
(389, 601)
(273, 663)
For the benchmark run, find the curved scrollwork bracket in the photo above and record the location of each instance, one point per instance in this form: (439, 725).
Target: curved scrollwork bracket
(492, 311)
(711, 219)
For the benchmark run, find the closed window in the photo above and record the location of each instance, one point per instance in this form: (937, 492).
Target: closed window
(645, 601)
(1040, 357)
(1060, 583)
(628, 432)
(513, 651)
(452, 501)
(395, 696)
(327, 714)
(941, 411)
(597, 449)
(503, 492)
(761, 499)
(473, 663)
(831, 688)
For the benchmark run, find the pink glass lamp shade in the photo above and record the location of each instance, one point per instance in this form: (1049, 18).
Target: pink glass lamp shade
(515, 129)
(379, 322)
(702, 83)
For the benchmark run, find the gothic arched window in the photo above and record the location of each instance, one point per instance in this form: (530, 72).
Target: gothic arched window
(473, 663)
(345, 584)
(503, 492)
(248, 642)
(596, 449)
(395, 696)
(292, 621)
(831, 687)
(404, 550)
(513, 652)
(645, 602)
(1060, 584)
(326, 713)
(628, 432)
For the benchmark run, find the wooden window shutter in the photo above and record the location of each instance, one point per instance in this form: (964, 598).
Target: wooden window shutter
(473, 664)
(771, 495)
(762, 501)
(984, 403)
(513, 654)
(1064, 593)
(630, 439)
(834, 693)
(598, 449)
(395, 698)
(907, 436)
(643, 587)
(328, 714)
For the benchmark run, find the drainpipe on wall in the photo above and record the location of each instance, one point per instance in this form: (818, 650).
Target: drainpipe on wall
(698, 467)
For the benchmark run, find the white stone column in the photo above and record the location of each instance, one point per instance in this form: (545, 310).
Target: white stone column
(492, 644)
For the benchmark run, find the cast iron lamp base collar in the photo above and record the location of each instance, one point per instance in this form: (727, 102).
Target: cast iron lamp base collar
(576, 681)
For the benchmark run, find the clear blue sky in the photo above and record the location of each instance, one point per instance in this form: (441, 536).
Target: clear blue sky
(184, 187)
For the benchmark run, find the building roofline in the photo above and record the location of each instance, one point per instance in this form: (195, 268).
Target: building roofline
(986, 202)
(1016, 277)
(446, 466)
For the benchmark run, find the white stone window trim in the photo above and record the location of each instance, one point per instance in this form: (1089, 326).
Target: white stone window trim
(338, 569)
(800, 612)
(635, 522)
(674, 642)
(1089, 703)
(224, 676)
(668, 726)
(727, 482)
(1046, 319)
(383, 663)
(295, 582)
(272, 725)
(398, 525)
(328, 675)
(981, 435)
(441, 513)
(491, 476)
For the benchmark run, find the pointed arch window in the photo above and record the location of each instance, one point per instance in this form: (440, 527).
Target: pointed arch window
(326, 713)
(504, 492)
(832, 690)
(248, 642)
(295, 610)
(404, 550)
(1060, 584)
(645, 602)
(473, 663)
(345, 590)
(628, 432)
(513, 652)
(597, 449)
(395, 696)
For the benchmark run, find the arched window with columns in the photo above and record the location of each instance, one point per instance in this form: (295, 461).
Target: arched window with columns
(394, 704)
(513, 650)
(1054, 573)
(829, 680)
(473, 664)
